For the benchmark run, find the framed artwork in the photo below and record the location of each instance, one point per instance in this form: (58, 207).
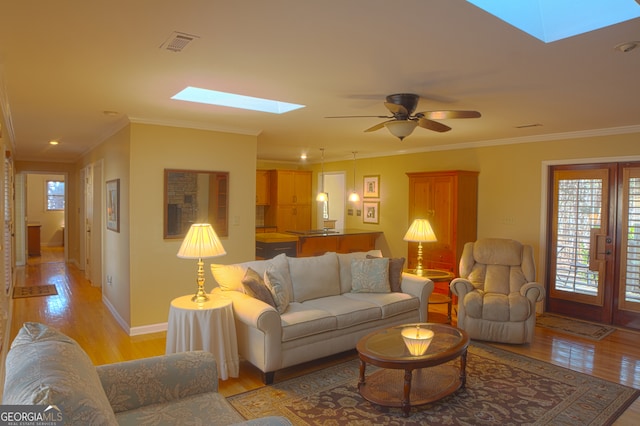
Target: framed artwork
(113, 205)
(371, 212)
(371, 187)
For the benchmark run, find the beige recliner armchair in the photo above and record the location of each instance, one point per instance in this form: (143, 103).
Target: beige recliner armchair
(497, 292)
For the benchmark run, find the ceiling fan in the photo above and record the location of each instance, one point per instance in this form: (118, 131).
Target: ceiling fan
(403, 120)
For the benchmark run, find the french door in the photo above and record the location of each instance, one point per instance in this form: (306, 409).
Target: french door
(594, 243)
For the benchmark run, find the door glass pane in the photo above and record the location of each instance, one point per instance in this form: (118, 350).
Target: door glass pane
(579, 210)
(632, 284)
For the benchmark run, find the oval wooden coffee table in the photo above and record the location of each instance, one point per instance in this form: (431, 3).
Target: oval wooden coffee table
(405, 380)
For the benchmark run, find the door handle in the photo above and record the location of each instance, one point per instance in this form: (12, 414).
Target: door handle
(600, 249)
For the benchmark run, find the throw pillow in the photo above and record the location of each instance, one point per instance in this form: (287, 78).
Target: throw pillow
(396, 266)
(275, 280)
(370, 275)
(229, 277)
(255, 287)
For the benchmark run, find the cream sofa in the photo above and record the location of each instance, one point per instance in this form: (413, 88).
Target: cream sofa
(48, 368)
(332, 302)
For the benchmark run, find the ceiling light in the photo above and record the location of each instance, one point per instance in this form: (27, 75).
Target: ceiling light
(213, 97)
(53, 142)
(303, 156)
(400, 128)
(627, 47)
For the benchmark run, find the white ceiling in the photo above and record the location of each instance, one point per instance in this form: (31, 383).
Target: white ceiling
(63, 63)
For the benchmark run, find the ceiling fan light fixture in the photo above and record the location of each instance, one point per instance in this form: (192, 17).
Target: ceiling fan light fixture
(401, 128)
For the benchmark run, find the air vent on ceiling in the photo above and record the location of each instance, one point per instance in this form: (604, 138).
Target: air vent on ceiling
(177, 41)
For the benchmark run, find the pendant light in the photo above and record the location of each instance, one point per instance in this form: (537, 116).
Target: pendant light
(322, 196)
(354, 197)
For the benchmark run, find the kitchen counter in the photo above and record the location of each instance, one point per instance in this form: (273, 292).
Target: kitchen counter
(330, 232)
(275, 237)
(315, 242)
(271, 244)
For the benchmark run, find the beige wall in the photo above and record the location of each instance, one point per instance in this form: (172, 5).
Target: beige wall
(510, 184)
(157, 274)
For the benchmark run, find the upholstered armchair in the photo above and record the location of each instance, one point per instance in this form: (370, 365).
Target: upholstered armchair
(497, 292)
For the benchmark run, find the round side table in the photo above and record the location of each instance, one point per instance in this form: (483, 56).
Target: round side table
(438, 275)
(208, 326)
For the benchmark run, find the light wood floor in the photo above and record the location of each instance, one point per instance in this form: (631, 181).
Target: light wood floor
(78, 311)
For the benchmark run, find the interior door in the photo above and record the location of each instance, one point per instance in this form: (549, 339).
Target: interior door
(88, 219)
(594, 256)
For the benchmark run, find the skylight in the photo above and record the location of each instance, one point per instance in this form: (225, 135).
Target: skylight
(212, 97)
(552, 20)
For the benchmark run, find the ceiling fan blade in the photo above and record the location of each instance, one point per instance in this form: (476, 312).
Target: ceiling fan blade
(377, 126)
(433, 125)
(443, 115)
(396, 109)
(360, 116)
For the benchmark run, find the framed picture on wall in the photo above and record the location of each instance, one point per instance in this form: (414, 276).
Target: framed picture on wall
(113, 205)
(371, 212)
(371, 187)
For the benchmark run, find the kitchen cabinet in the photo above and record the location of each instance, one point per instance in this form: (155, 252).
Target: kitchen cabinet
(449, 200)
(263, 189)
(290, 196)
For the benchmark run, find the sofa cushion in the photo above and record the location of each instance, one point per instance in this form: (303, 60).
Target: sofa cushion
(370, 275)
(255, 287)
(45, 367)
(391, 304)
(348, 312)
(300, 321)
(198, 409)
(275, 278)
(314, 277)
(344, 260)
(396, 266)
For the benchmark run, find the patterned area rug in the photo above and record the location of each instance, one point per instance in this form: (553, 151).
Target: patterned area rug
(574, 327)
(502, 389)
(34, 290)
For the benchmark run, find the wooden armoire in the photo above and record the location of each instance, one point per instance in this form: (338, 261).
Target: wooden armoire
(449, 200)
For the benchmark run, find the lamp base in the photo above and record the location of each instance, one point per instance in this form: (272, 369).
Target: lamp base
(200, 297)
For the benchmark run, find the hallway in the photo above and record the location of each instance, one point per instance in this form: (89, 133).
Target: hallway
(78, 311)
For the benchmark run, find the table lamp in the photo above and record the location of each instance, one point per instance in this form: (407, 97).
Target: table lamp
(420, 231)
(201, 242)
(417, 340)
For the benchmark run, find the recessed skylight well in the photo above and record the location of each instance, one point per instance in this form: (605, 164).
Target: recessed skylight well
(552, 20)
(213, 97)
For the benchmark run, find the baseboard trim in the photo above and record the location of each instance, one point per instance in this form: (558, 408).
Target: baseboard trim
(148, 329)
(134, 331)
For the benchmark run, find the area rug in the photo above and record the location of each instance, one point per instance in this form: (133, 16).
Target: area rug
(574, 327)
(34, 290)
(502, 388)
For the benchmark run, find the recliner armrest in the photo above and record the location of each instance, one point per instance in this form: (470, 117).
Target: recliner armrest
(138, 383)
(533, 291)
(461, 286)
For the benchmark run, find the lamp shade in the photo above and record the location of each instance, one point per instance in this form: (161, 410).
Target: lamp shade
(420, 231)
(401, 128)
(417, 340)
(201, 242)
